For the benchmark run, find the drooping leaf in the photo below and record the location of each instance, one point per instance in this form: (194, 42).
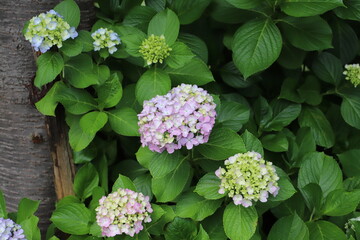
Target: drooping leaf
(110, 92)
(26, 209)
(256, 45)
(86, 179)
(162, 164)
(49, 64)
(245, 4)
(233, 115)
(305, 8)
(48, 104)
(350, 10)
(252, 143)
(123, 182)
(275, 142)
(196, 44)
(92, 122)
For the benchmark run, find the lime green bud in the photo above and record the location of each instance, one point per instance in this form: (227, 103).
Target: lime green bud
(154, 49)
(352, 73)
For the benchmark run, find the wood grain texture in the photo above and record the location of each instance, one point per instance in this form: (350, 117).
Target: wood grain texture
(26, 166)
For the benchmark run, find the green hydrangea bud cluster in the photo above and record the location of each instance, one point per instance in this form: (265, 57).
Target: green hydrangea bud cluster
(154, 49)
(352, 73)
(351, 225)
(247, 178)
(48, 29)
(105, 38)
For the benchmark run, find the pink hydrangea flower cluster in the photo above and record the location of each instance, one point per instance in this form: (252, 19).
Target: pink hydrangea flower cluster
(184, 116)
(123, 211)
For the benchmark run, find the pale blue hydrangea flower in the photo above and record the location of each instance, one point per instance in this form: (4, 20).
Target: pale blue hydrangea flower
(248, 178)
(184, 116)
(123, 211)
(48, 29)
(9, 230)
(105, 38)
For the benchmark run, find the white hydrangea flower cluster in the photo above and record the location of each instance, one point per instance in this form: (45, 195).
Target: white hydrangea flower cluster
(9, 230)
(247, 178)
(184, 116)
(352, 73)
(48, 29)
(123, 211)
(105, 38)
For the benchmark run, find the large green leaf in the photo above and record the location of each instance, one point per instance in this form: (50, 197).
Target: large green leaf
(328, 68)
(320, 169)
(152, 83)
(202, 234)
(72, 218)
(275, 142)
(196, 44)
(162, 164)
(239, 222)
(351, 10)
(223, 143)
(30, 227)
(208, 187)
(252, 143)
(76, 101)
(325, 230)
(305, 8)
(139, 17)
(72, 47)
(339, 202)
(124, 121)
(191, 205)
(189, 10)
(256, 45)
(245, 4)
(79, 71)
(48, 104)
(123, 182)
(86, 179)
(350, 162)
(350, 107)
(290, 227)
(180, 55)
(167, 188)
(79, 139)
(180, 229)
(26, 209)
(110, 92)
(92, 122)
(233, 115)
(194, 72)
(283, 113)
(70, 11)
(310, 33)
(165, 23)
(49, 66)
(320, 127)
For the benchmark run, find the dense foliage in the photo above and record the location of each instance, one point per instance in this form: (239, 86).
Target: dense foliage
(284, 108)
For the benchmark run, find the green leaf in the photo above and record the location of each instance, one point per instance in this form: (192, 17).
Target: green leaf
(72, 218)
(214, 226)
(165, 23)
(167, 188)
(179, 55)
(196, 44)
(162, 164)
(103, 74)
(124, 121)
(158, 5)
(78, 139)
(123, 182)
(284, 113)
(110, 93)
(321, 169)
(92, 122)
(152, 83)
(345, 41)
(208, 187)
(256, 45)
(180, 229)
(290, 227)
(3, 213)
(275, 142)
(79, 71)
(76, 101)
(189, 10)
(194, 72)
(328, 68)
(305, 8)
(86, 179)
(26, 209)
(325, 230)
(252, 143)
(350, 107)
(70, 11)
(233, 115)
(202, 234)
(320, 127)
(86, 40)
(351, 10)
(48, 104)
(144, 156)
(143, 184)
(49, 65)
(310, 91)
(139, 17)
(223, 143)
(291, 57)
(350, 162)
(30, 227)
(191, 205)
(311, 33)
(287, 190)
(339, 202)
(245, 4)
(232, 77)
(239, 222)
(313, 196)
(72, 47)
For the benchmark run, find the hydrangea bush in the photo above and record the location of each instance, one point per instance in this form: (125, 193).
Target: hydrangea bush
(206, 119)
